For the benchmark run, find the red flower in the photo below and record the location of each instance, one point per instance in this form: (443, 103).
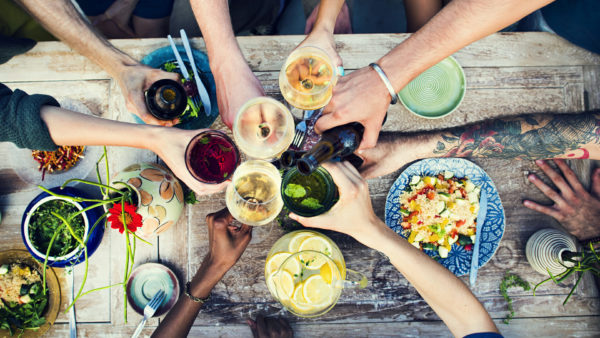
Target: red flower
(133, 220)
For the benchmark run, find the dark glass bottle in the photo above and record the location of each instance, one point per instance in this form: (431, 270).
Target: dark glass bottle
(289, 158)
(166, 99)
(338, 142)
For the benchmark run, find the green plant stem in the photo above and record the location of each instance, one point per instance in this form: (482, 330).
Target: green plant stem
(48, 255)
(573, 289)
(100, 288)
(102, 190)
(141, 239)
(78, 199)
(91, 183)
(72, 216)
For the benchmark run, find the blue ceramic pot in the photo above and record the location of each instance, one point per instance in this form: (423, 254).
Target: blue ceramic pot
(89, 217)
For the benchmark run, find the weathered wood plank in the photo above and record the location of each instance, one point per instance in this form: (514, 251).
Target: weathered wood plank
(543, 327)
(591, 75)
(55, 61)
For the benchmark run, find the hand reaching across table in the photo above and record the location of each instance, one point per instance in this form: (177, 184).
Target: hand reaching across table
(270, 327)
(226, 244)
(363, 97)
(321, 34)
(354, 216)
(64, 21)
(532, 137)
(574, 207)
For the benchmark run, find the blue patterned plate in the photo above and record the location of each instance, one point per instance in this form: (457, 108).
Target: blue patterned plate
(159, 57)
(459, 259)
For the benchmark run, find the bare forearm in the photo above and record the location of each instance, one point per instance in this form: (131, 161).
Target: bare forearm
(328, 13)
(61, 19)
(530, 137)
(181, 317)
(458, 24)
(215, 24)
(71, 128)
(454, 303)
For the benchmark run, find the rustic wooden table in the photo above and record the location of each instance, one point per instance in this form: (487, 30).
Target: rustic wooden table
(507, 74)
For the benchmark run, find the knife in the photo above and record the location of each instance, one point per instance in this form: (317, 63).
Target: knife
(71, 280)
(201, 89)
(483, 201)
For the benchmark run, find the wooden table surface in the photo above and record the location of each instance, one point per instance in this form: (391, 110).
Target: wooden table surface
(507, 74)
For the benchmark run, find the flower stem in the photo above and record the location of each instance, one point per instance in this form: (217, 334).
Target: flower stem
(48, 255)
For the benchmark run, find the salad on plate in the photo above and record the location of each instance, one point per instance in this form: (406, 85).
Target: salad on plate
(438, 211)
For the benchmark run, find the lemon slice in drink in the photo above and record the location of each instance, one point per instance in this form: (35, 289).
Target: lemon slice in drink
(284, 284)
(273, 263)
(295, 241)
(298, 303)
(315, 243)
(317, 292)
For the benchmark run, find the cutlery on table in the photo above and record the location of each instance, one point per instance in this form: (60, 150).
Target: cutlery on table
(301, 129)
(201, 89)
(71, 281)
(483, 201)
(182, 67)
(149, 311)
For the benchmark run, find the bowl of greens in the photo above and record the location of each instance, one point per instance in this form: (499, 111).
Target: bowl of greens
(27, 308)
(49, 224)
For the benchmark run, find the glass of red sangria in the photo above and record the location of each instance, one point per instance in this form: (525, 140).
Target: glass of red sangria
(211, 157)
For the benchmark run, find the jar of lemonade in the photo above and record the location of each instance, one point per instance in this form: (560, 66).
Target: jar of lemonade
(305, 271)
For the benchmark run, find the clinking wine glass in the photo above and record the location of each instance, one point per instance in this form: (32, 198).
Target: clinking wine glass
(305, 271)
(307, 78)
(253, 197)
(263, 128)
(211, 157)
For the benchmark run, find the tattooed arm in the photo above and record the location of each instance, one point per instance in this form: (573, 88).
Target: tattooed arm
(529, 137)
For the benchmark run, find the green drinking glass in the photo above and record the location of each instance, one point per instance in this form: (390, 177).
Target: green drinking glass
(308, 195)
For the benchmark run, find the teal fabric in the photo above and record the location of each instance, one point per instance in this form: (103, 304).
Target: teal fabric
(577, 21)
(20, 112)
(21, 122)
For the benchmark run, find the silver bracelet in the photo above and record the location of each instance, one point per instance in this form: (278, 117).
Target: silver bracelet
(386, 82)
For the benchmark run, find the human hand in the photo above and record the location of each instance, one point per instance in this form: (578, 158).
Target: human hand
(270, 327)
(391, 153)
(115, 22)
(236, 84)
(170, 145)
(323, 39)
(353, 213)
(136, 79)
(226, 242)
(358, 97)
(574, 207)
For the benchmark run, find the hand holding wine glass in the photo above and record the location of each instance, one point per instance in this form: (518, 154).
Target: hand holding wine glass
(170, 145)
(236, 85)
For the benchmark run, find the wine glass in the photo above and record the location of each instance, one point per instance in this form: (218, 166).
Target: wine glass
(253, 197)
(211, 157)
(307, 78)
(263, 128)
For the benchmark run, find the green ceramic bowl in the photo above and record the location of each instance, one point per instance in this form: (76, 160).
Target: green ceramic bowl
(437, 92)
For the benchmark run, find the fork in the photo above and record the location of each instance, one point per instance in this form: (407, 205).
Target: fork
(301, 129)
(184, 71)
(149, 311)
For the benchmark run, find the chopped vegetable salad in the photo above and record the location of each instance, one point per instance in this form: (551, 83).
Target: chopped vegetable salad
(440, 211)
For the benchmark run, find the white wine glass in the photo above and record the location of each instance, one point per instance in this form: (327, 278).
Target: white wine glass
(307, 78)
(253, 196)
(263, 128)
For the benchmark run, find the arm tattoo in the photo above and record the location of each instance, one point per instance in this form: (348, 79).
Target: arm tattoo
(548, 136)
